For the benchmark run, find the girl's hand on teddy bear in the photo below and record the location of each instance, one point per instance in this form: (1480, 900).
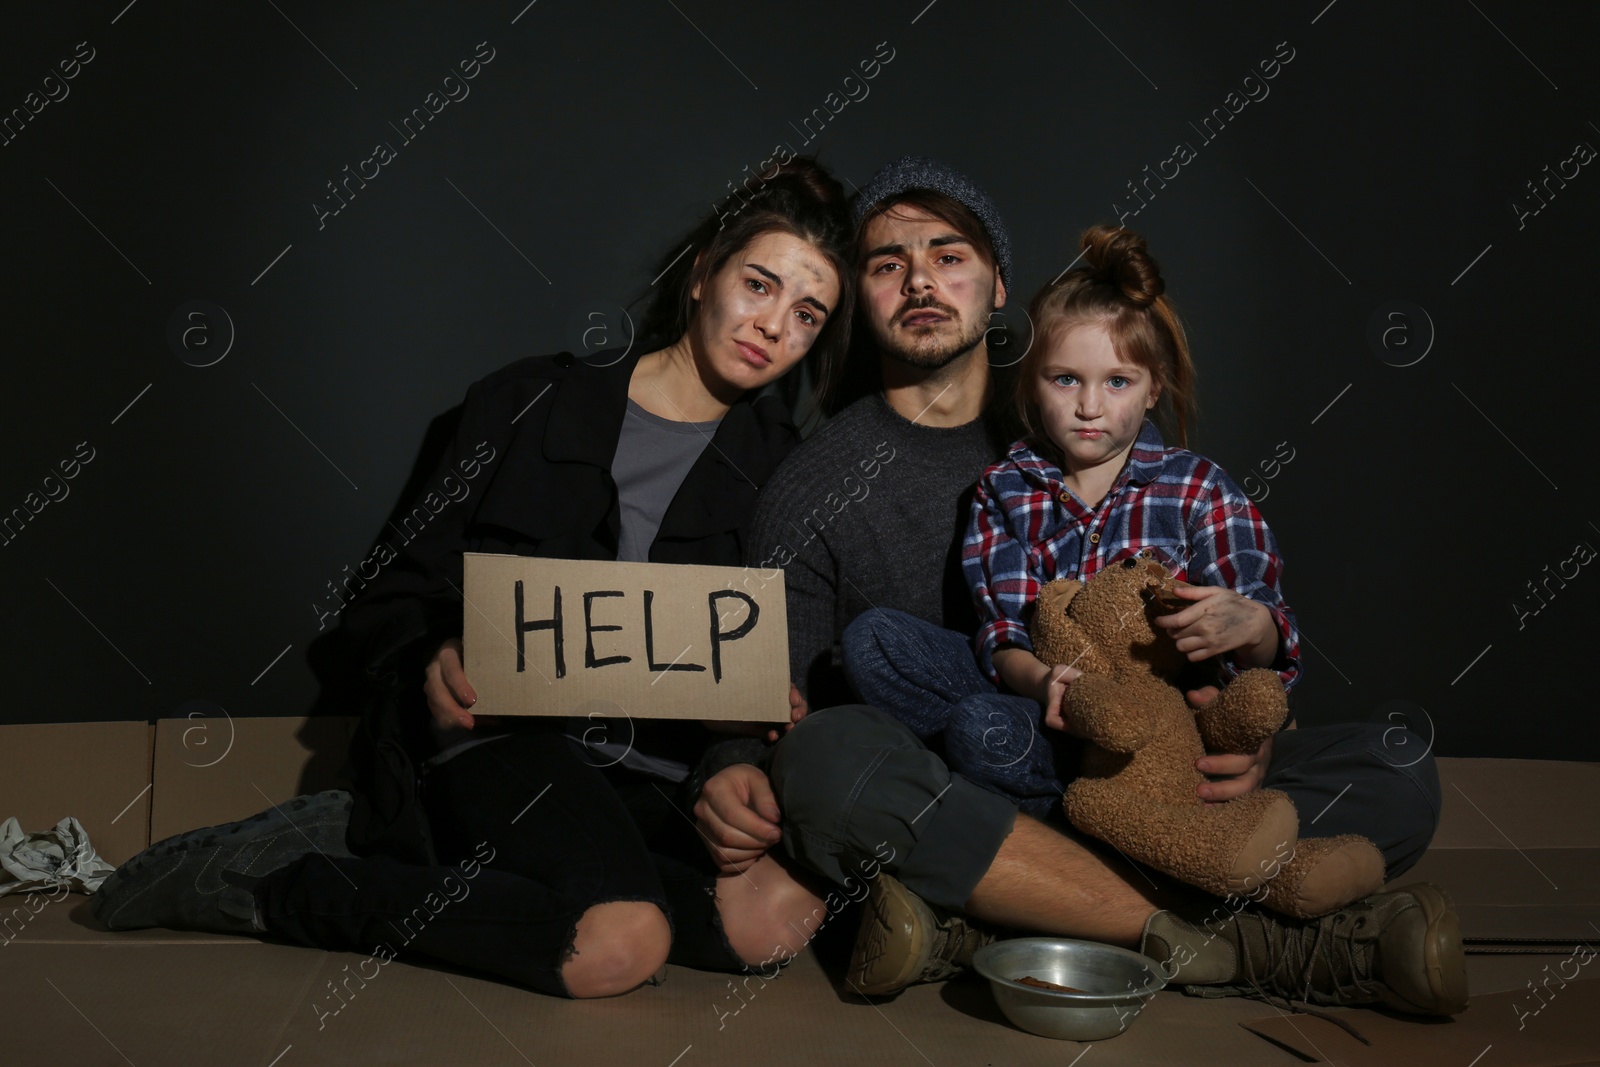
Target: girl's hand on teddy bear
(1055, 695)
(1219, 620)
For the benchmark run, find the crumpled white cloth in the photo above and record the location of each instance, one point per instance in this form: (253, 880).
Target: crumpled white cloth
(49, 858)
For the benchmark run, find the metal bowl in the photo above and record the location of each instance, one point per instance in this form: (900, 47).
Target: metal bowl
(1116, 985)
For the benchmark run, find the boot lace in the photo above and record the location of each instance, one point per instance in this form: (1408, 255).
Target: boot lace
(956, 938)
(1285, 977)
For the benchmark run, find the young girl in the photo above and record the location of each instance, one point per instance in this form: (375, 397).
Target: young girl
(1094, 483)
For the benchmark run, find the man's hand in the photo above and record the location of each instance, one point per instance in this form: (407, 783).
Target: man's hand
(798, 709)
(738, 817)
(751, 728)
(1220, 620)
(1244, 772)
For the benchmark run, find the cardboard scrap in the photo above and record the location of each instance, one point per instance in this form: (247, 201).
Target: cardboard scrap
(1551, 1028)
(1551, 930)
(648, 640)
(1531, 900)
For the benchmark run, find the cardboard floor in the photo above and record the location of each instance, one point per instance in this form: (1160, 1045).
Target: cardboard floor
(1519, 848)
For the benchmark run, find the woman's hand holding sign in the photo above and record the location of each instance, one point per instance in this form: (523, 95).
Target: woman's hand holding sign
(448, 691)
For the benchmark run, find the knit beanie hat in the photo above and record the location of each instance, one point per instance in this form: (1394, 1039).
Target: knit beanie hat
(919, 172)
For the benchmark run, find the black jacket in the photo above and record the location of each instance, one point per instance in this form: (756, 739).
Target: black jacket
(537, 439)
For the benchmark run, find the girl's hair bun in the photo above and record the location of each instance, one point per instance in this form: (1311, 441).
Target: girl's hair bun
(1118, 287)
(1120, 257)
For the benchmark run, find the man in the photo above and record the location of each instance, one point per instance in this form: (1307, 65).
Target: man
(868, 514)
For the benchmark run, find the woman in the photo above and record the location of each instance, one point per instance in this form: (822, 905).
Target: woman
(530, 849)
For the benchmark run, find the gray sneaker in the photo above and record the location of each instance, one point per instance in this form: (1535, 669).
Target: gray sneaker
(204, 879)
(1401, 949)
(904, 940)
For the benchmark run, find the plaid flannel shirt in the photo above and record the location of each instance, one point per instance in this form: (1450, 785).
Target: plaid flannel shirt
(1028, 528)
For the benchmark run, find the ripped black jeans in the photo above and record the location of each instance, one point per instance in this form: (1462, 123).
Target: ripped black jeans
(533, 834)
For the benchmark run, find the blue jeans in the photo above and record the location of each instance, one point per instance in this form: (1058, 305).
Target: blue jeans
(927, 677)
(1345, 778)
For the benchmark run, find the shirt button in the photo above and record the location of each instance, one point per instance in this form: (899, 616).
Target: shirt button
(1065, 497)
(1094, 539)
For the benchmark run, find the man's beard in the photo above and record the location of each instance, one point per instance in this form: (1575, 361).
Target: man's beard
(931, 351)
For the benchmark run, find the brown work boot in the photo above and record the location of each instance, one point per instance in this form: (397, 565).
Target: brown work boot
(904, 940)
(1401, 949)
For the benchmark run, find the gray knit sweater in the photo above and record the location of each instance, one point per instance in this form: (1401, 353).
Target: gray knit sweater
(869, 512)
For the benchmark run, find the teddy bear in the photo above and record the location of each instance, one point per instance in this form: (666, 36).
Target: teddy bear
(1136, 788)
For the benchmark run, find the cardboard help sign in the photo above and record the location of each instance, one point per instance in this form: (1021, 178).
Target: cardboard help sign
(650, 640)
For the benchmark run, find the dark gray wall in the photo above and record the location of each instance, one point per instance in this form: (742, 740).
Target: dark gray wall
(1384, 163)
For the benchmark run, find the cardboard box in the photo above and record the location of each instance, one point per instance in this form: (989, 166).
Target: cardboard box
(642, 640)
(1518, 846)
(90, 996)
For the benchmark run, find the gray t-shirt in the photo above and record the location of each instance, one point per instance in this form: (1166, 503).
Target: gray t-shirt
(653, 458)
